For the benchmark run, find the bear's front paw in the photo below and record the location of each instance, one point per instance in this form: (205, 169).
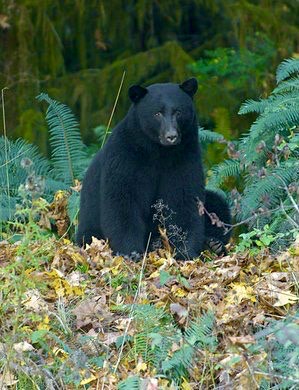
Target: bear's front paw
(215, 246)
(133, 256)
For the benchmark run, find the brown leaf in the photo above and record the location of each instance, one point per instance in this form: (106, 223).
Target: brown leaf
(242, 340)
(92, 313)
(180, 313)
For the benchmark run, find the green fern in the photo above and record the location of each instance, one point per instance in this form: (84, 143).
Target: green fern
(69, 155)
(270, 190)
(286, 69)
(199, 335)
(11, 163)
(282, 351)
(222, 171)
(200, 332)
(156, 335)
(267, 156)
(130, 383)
(290, 85)
(251, 105)
(206, 136)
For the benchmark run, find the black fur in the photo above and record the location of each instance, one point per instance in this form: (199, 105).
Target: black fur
(153, 153)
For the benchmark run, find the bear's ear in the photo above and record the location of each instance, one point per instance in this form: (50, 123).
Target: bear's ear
(190, 86)
(136, 93)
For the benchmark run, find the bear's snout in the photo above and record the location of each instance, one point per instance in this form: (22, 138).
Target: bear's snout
(170, 137)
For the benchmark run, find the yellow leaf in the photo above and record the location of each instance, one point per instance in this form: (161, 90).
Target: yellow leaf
(55, 273)
(28, 271)
(186, 385)
(154, 275)
(91, 378)
(141, 366)
(178, 291)
(44, 324)
(239, 293)
(60, 353)
(78, 291)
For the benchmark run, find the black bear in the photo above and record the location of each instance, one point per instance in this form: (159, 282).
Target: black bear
(152, 154)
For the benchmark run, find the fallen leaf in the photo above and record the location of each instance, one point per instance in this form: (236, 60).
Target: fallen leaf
(242, 340)
(33, 301)
(23, 346)
(240, 292)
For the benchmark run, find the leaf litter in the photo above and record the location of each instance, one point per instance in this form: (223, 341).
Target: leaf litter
(78, 302)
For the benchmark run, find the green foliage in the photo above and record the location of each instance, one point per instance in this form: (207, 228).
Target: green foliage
(280, 342)
(206, 136)
(199, 335)
(238, 66)
(257, 240)
(156, 335)
(222, 171)
(78, 52)
(268, 158)
(226, 76)
(131, 383)
(25, 174)
(68, 157)
(18, 161)
(286, 69)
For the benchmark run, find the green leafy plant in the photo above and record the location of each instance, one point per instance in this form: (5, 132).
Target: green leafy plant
(257, 240)
(68, 156)
(23, 168)
(267, 157)
(279, 340)
(156, 334)
(18, 160)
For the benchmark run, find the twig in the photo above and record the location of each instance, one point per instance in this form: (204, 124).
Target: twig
(292, 221)
(231, 226)
(5, 146)
(113, 109)
(288, 192)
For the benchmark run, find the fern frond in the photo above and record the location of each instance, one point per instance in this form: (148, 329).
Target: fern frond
(222, 171)
(286, 69)
(251, 105)
(207, 136)
(198, 335)
(180, 361)
(11, 160)
(270, 188)
(73, 206)
(279, 121)
(286, 86)
(131, 383)
(7, 206)
(68, 151)
(200, 332)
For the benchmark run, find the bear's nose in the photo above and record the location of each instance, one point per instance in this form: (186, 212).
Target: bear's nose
(171, 137)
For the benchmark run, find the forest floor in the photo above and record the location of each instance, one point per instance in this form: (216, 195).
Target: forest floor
(83, 318)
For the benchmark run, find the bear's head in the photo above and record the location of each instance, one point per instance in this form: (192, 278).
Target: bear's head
(165, 112)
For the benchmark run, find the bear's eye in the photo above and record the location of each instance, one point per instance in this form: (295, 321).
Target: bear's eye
(178, 113)
(158, 113)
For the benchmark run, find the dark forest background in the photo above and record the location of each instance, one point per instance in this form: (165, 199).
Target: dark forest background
(78, 50)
